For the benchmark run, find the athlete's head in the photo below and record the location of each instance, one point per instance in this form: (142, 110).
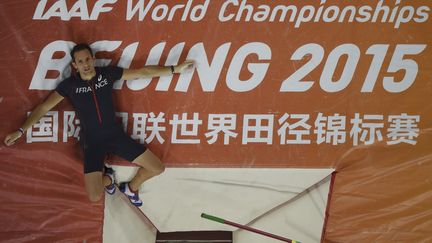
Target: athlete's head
(83, 61)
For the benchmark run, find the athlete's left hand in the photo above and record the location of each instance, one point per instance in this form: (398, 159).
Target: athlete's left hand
(186, 66)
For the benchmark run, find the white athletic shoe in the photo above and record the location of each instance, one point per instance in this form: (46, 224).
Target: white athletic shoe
(110, 189)
(133, 196)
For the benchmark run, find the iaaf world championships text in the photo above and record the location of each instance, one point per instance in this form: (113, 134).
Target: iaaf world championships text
(396, 12)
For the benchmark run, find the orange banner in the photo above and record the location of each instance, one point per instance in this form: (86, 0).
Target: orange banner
(314, 84)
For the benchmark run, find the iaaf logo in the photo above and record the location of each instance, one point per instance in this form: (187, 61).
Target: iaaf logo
(209, 71)
(79, 9)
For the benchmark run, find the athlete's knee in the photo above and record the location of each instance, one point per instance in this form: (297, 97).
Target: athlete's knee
(154, 170)
(94, 186)
(159, 169)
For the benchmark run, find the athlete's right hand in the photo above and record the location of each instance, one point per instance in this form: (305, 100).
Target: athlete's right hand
(12, 137)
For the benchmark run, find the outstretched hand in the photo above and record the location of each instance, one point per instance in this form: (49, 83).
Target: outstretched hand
(12, 137)
(183, 67)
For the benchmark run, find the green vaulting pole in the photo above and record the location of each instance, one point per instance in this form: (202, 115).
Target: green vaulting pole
(223, 221)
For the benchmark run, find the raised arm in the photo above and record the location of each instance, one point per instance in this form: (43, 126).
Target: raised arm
(156, 71)
(53, 99)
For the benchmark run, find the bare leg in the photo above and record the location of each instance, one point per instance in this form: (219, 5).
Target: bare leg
(150, 166)
(94, 184)
(106, 180)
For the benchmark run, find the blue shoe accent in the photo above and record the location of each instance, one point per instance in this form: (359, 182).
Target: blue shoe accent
(133, 197)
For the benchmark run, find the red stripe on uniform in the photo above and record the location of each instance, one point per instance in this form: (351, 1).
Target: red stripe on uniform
(96, 104)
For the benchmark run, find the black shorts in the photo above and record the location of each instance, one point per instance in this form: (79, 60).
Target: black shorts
(117, 143)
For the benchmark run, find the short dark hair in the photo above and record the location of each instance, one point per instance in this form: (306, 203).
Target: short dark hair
(80, 47)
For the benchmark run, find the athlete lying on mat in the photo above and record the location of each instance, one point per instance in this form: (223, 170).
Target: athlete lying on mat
(90, 92)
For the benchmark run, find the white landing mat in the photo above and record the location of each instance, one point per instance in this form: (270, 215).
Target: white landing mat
(286, 202)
